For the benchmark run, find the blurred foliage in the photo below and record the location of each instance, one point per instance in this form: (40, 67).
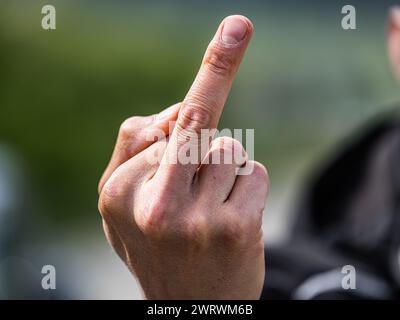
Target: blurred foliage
(304, 83)
(63, 94)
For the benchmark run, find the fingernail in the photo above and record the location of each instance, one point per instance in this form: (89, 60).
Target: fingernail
(234, 30)
(167, 113)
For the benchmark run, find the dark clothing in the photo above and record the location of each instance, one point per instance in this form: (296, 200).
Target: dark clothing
(348, 215)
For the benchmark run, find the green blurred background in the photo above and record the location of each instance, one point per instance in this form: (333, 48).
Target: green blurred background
(304, 85)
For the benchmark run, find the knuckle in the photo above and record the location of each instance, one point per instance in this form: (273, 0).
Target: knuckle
(114, 198)
(147, 221)
(195, 229)
(231, 149)
(260, 174)
(157, 225)
(227, 143)
(259, 181)
(232, 232)
(151, 218)
(129, 127)
(218, 61)
(107, 200)
(194, 115)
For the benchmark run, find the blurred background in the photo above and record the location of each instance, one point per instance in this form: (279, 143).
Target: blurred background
(304, 86)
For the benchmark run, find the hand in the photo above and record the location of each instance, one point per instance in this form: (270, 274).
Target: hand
(189, 231)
